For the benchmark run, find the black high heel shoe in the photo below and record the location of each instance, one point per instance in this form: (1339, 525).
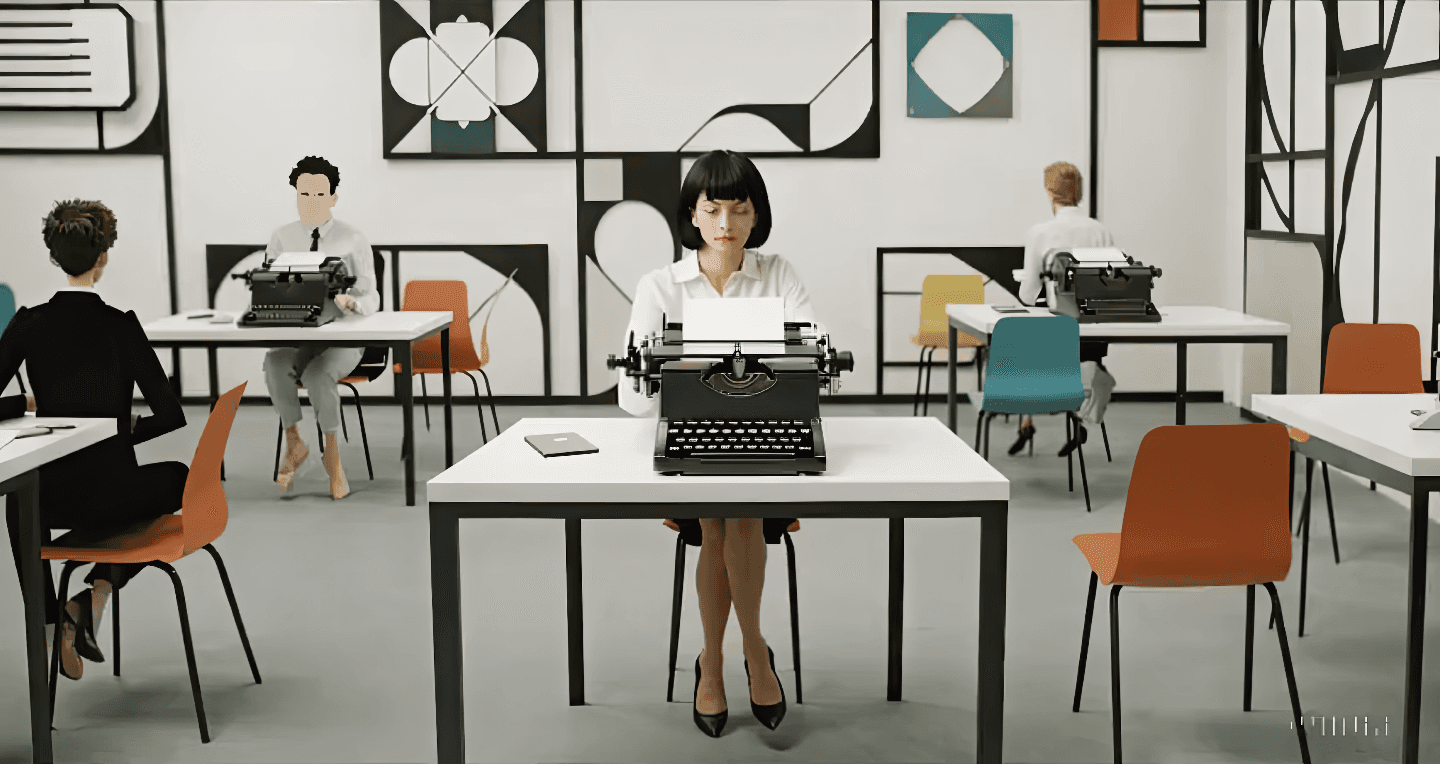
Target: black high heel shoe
(770, 716)
(710, 724)
(84, 624)
(1081, 436)
(1026, 434)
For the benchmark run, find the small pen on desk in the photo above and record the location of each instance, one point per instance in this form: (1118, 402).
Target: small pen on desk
(200, 315)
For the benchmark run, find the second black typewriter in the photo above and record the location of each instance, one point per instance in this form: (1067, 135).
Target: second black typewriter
(293, 290)
(737, 408)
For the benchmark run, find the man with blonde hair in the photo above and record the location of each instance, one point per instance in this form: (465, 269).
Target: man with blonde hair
(1070, 228)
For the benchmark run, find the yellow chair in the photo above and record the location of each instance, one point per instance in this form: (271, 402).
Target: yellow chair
(937, 292)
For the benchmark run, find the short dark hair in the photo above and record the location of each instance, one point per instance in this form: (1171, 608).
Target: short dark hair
(727, 175)
(77, 232)
(316, 166)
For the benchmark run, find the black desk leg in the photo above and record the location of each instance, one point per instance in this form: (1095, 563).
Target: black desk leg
(213, 363)
(897, 605)
(574, 611)
(405, 388)
(445, 382)
(1181, 372)
(991, 674)
(27, 498)
(1279, 365)
(445, 612)
(1415, 633)
(950, 370)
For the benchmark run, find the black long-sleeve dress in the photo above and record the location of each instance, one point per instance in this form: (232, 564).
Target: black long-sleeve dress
(84, 358)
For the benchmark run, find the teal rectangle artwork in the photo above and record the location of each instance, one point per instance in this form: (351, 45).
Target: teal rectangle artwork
(923, 84)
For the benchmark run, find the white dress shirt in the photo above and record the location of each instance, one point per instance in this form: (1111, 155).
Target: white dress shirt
(662, 293)
(1070, 228)
(337, 239)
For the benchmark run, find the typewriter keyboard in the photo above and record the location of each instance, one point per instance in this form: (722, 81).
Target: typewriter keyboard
(734, 437)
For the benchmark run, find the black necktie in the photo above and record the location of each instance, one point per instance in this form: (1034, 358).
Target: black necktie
(315, 240)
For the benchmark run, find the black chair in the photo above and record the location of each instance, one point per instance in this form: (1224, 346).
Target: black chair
(374, 363)
(694, 540)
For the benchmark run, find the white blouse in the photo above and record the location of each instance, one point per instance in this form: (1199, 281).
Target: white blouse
(1070, 228)
(662, 293)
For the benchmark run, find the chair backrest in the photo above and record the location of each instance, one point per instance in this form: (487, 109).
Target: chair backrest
(448, 295)
(204, 510)
(1034, 359)
(375, 356)
(1373, 358)
(939, 290)
(1208, 506)
(7, 306)
(485, 327)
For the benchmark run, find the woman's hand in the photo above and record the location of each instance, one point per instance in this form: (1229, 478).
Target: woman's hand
(346, 302)
(29, 403)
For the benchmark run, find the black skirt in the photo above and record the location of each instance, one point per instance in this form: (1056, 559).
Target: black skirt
(691, 531)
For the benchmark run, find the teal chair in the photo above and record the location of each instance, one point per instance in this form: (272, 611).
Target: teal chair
(7, 312)
(1034, 368)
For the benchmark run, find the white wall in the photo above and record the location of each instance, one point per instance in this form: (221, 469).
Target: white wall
(299, 77)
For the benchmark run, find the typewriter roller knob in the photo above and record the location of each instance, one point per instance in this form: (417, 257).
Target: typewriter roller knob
(844, 361)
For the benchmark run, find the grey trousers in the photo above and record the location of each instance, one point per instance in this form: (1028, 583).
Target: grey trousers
(320, 370)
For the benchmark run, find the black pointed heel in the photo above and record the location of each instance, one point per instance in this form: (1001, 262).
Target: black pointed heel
(710, 724)
(85, 643)
(1026, 434)
(770, 716)
(1081, 436)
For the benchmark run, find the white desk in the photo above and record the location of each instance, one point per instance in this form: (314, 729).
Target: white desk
(892, 467)
(20, 463)
(1370, 436)
(1180, 325)
(395, 329)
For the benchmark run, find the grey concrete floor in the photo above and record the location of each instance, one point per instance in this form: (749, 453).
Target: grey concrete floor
(336, 601)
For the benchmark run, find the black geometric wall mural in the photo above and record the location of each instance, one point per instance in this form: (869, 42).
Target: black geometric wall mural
(529, 262)
(454, 87)
(1359, 65)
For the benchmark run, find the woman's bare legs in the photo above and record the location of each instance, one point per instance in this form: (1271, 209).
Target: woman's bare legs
(713, 587)
(745, 566)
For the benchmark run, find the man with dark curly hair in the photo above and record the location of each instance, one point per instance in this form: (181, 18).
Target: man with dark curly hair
(319, 369)
(85, 359)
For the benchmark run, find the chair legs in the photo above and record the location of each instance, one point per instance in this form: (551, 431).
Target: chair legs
(479, 408)
(189, 647)
(235, 610)
(794, 615)
(1330, 507)
(919, 373)
(425, 402)
(344, 429)
(675, 616)
(1085, 640)
(1249, 664)
(1106, 437)
(491, 396)
(364, 439)
(115, 629)
(279, 436)
(1084, 481)
(929, 370)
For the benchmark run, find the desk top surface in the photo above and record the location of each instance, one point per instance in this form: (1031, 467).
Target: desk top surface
(1175, 320)
(1376, 427)
(384, 325)
(867, 459)
(20, 456)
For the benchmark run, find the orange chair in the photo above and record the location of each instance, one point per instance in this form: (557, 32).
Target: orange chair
(202, 519)
(1360, 359)
(1207, 507)
(936, 292)
(425, 354)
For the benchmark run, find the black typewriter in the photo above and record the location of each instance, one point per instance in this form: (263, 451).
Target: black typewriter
(737, 408)
(285, 294)
(1102, 285)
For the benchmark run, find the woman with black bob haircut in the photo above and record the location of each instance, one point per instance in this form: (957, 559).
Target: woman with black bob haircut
(85, 359)
(723, 215)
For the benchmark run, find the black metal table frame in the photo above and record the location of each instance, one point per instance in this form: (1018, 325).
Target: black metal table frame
(445, 592)
(1419, 489)
(404, 382)
(1279, 352)
(24, 489)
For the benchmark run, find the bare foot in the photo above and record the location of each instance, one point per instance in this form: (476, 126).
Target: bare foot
(295, 454)
(711, 698)
(339, 487)
(764, 685)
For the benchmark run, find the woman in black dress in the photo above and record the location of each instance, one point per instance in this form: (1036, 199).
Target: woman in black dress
(84, 358)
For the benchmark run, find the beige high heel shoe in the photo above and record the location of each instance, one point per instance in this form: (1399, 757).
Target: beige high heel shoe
(339, 487)
(296, 453)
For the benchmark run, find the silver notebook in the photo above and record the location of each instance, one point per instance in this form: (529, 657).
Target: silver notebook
(561, 444)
